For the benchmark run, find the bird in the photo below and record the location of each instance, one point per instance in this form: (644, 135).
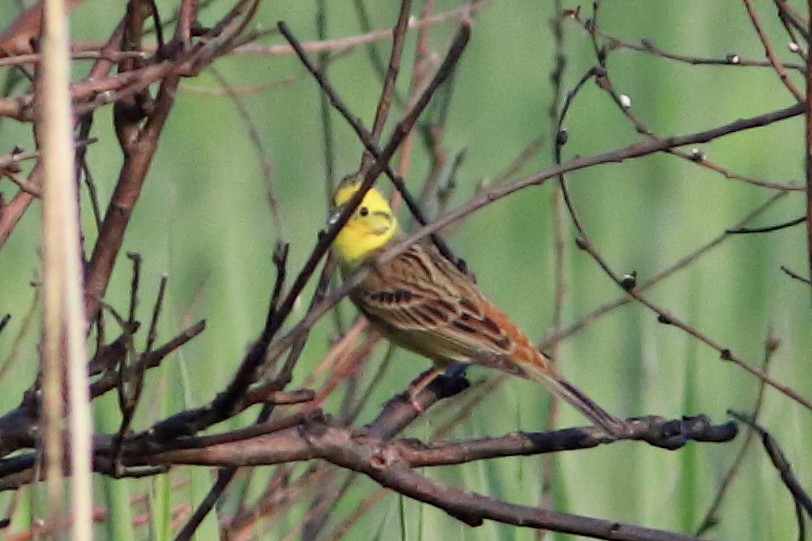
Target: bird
(421, 301)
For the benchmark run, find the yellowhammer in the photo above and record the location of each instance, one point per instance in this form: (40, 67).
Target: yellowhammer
(422, 302)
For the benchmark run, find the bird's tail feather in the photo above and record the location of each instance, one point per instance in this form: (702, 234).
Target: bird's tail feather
(570, 394)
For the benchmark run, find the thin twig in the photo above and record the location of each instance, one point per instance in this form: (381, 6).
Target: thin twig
(112, 56)
(549, 468)
(324, 107)
(388, 87)
(767, 229)
(655, 279)
(780, 462)
(808, 145)
(770, 346)
(795, 275)
(777, 65)
(648, 46)
(341, 44)
(262, 154)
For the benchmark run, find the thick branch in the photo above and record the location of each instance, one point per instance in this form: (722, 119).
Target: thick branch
(391, 463)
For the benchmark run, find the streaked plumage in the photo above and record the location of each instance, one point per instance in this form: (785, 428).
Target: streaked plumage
(422, 302)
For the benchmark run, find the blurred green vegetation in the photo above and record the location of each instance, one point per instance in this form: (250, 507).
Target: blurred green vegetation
(204, 221)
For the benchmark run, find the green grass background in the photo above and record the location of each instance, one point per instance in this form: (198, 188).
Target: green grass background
(203, 220)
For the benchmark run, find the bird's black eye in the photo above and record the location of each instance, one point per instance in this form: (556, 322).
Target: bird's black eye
(363, 211)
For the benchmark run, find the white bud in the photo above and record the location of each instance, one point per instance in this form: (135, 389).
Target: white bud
(625, 101)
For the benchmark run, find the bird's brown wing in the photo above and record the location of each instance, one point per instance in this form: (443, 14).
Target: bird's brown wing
(424, 303)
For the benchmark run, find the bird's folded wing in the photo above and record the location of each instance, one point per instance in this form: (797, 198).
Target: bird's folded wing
(422, 295)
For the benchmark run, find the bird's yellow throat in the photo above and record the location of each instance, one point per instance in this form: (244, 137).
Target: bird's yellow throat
(370, 228)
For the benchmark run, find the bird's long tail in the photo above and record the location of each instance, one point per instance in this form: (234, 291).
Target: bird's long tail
(540, 371)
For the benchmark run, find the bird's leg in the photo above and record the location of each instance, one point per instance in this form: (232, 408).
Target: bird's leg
(419, 383)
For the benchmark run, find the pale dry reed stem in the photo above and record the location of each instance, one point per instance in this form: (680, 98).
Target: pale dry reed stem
(64, 307)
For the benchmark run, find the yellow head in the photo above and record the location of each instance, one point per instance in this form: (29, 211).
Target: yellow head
(371, 226)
